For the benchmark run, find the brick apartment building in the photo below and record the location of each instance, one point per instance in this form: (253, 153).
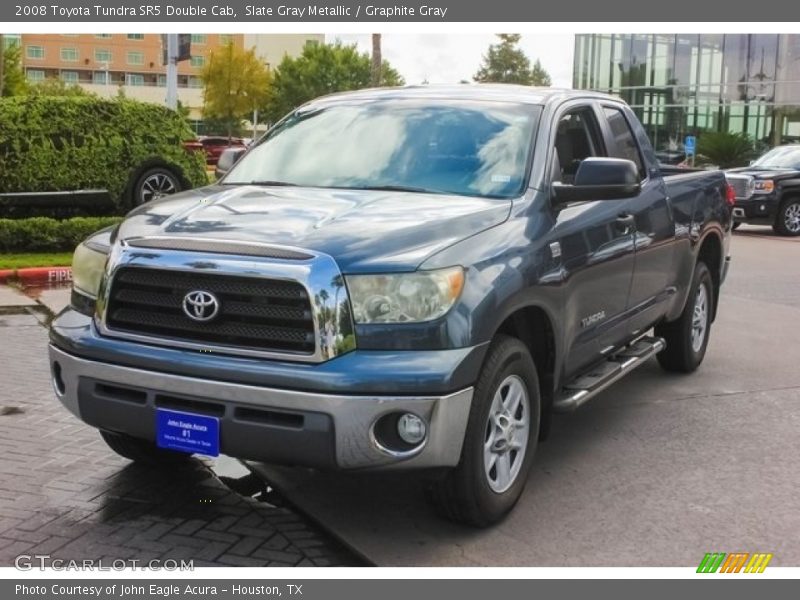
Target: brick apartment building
(105, 62)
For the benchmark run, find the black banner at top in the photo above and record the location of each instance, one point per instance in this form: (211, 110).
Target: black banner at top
(320, 11)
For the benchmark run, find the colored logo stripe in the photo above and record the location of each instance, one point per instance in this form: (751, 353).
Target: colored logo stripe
(734, 562)
(758, 563)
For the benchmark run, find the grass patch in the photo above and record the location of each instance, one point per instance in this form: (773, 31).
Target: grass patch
(35, 259)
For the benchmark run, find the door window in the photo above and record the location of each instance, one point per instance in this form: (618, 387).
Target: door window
(576, 139)
(624, 140)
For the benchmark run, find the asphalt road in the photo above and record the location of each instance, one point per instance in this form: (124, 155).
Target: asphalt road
(657, 471)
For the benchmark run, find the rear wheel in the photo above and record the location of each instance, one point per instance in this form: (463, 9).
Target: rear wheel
(787, 221)
(500, 440)
(141, 451)
(155, 183)
(687, 337)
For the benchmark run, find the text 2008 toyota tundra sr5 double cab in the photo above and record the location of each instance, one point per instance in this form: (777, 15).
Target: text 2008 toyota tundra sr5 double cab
(397, 278)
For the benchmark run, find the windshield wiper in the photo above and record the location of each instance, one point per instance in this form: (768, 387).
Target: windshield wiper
(262, 182)
(394, 188)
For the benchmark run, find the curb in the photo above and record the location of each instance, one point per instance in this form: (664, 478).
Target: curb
(37, 275)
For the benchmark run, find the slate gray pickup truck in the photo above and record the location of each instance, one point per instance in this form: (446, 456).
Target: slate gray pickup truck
(398, 278)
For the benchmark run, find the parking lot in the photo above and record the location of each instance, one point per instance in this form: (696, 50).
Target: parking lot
(657, 471)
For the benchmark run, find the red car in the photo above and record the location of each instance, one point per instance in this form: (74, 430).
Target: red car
(214, 145)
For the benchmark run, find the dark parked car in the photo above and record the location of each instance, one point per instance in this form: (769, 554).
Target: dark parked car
(400, 278)
(768, 191)
(62, 150)
(215, 145)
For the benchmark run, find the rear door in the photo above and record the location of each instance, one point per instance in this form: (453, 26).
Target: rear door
(595, 246)
(654, 229)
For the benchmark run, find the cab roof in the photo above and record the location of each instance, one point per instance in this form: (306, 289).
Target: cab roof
(468, 91)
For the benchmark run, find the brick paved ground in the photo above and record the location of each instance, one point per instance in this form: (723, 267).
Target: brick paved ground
(64, 493)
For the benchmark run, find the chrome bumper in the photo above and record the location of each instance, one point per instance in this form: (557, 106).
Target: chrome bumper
(353, 417)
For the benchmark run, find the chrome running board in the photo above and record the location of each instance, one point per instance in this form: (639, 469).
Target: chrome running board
(587, 385)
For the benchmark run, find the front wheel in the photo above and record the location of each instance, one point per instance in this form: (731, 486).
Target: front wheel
(500, 439)
(787, 221)
(687, 337)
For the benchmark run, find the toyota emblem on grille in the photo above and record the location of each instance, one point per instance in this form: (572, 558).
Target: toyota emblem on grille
(200, 305)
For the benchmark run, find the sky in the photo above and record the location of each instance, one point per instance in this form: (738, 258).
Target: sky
(449, 58)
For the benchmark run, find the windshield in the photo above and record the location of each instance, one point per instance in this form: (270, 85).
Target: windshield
(440, 146)
(782, 157)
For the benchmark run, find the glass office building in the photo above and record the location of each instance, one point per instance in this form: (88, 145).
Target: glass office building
(686, 84)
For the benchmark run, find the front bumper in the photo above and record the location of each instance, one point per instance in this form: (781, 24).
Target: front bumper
(758, 208)
(280, 426)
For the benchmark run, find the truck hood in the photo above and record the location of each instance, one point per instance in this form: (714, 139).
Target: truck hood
(364, 230)
(766, 173)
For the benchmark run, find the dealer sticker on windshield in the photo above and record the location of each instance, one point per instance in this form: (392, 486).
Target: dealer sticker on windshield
(187, 432)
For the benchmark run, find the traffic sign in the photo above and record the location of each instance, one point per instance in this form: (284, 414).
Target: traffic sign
(689, 145)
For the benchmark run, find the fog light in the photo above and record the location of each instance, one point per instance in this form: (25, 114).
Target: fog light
(411, 428)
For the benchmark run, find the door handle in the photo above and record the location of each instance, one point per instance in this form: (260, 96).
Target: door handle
(625, 223)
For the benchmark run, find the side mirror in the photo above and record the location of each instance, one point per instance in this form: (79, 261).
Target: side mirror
(600, 179)
(228, 158)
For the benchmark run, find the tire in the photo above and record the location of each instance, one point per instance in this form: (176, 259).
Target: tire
(686, 342)
(472, 493)
(787, 221)
(141, 451)
(155, 183)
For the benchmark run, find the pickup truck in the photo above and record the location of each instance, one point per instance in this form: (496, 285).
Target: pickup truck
(397, 278)
(768, 191)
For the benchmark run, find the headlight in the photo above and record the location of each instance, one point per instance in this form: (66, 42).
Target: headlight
(404, 297)
(88, 265)
(764, 186)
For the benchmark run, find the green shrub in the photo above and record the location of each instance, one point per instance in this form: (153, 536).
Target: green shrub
(56, 143)
(726, 150)
(43, 234)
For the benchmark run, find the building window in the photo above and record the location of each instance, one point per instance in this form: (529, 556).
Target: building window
(134, 79)
(198, 61)
(102, 55)
(12, 39)
(161, 81)
(225, 39)
(100, 77)
(103, 36)
(135, 58)
(135, 36)
(34, 51)
(199, 38)
(69, 54)
(35, 75)
(195, 82)
(69, 35)
(69, 77)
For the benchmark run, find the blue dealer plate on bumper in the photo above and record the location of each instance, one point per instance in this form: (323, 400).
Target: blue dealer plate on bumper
(187, 432)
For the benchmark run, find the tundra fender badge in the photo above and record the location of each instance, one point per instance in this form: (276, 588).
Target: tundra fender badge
(592, 319)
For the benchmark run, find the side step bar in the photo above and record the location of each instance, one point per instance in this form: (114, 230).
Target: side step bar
(587, 386)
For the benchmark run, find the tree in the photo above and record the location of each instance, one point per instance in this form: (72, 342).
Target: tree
(505, 62)
(236, 83)
(13, 80)
(322, 69)
(539, 76)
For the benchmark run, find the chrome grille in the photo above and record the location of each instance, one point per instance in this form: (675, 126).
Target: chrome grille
(743, 185)
(255, 313)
